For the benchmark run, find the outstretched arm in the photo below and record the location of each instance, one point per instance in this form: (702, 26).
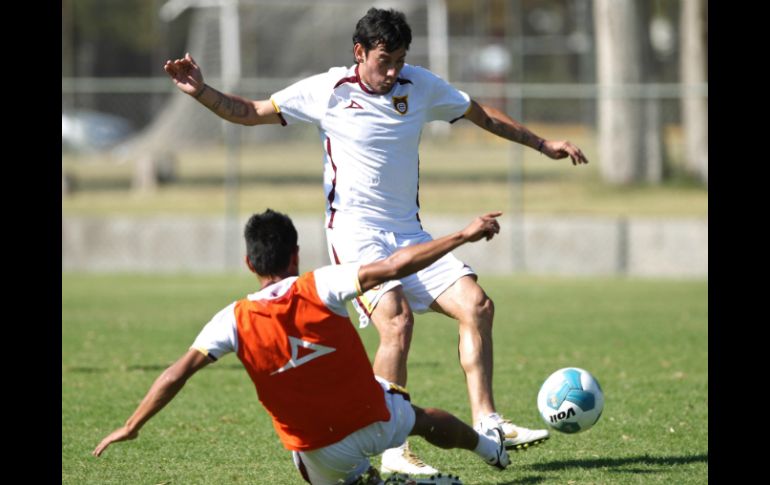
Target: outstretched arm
(187, 76)
(499, 123)
(414, 258)
(163, 390)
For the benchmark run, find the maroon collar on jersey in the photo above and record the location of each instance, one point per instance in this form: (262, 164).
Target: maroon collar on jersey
(357, 79)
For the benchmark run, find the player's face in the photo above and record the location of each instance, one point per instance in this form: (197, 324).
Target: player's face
(379, 69)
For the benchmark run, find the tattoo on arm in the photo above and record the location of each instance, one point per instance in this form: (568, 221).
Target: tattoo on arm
(240, 109)
(227, 107)
(524, 138)
(511, 131)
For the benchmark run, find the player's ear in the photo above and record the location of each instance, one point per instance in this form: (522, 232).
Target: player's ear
(294, 261)
(359, 53)
(248, 263)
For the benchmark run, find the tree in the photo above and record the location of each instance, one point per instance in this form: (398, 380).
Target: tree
(629, 125)
(693, 72)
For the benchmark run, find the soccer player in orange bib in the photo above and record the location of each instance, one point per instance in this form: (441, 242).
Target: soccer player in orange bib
(309, 366)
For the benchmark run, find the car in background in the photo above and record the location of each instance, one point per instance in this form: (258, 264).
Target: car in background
(92, 131)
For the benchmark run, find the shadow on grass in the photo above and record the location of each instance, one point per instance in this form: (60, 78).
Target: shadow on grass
(533, 479)
(615, 465)
(85, 370)
(621, 462)
(529, 480)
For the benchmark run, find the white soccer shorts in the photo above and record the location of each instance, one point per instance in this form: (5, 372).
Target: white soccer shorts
(366, 245)
(345, 460)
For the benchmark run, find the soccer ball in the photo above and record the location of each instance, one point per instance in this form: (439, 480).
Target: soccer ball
(570, 400)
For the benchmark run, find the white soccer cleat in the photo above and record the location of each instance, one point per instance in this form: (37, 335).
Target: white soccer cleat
(491, 429)
(440, 479)
(403, 460)
(518, 438)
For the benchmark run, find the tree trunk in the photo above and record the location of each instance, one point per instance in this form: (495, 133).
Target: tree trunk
(693, 68)
(654, 148)
(620, 60)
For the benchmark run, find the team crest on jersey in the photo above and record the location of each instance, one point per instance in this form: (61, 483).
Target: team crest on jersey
(401, 104)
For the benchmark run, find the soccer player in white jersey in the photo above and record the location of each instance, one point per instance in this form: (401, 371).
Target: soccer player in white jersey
(370, 117)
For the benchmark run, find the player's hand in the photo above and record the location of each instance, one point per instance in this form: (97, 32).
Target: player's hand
(563, 149)
(120, 434)
(485, 226)
(186, 74)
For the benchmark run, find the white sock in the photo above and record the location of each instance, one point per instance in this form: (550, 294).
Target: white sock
(487, 447)
(491, 417)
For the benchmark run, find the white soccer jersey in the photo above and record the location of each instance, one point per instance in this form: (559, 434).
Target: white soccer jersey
(370, 141)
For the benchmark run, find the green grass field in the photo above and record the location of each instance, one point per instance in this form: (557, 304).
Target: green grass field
(645, 340)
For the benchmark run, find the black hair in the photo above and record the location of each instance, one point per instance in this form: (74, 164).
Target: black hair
(270, 241)
(387, 27)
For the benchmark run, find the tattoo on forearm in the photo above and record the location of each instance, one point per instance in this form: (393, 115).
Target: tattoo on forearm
(499, 129)
(227, 105)
(511, 132)
(215, 106)
(233, 108)
(240, 109)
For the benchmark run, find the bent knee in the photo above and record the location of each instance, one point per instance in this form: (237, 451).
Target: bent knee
(395, 326)
(478, 308)
(401, 324)
(486, 308)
